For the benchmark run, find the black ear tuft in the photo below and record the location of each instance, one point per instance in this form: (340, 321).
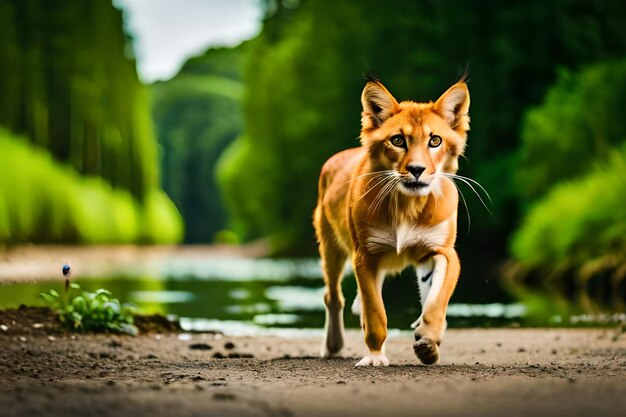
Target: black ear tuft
(465, 75)
(371, 76)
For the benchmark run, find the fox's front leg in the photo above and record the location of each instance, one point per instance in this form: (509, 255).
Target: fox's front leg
(424, 273)
(374, 319)
(432, 326)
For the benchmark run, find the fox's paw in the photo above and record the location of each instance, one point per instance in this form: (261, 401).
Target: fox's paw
(426, 351)
(373, 360)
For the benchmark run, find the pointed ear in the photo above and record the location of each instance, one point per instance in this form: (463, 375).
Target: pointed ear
(378, 105)
(453, 106)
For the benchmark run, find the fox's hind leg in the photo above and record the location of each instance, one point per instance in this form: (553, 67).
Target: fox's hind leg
(424, 271)
(333, 262)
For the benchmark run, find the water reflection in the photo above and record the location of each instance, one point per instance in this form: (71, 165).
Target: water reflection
(161, 297)
(247, 296)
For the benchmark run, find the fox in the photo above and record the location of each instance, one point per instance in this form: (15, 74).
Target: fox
(389, 204)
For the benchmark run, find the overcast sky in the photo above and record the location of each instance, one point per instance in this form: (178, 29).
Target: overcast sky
(167, 32)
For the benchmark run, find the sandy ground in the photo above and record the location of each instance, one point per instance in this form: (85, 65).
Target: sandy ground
(507, 372)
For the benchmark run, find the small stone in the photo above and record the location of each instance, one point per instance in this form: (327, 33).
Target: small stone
(229, 345)
(38, 325)
(22, 339)
(52, 338)
(200, 346)
(4, 327)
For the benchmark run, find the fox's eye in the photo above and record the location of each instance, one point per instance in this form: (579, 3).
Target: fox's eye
(434, 141)
(398, 141)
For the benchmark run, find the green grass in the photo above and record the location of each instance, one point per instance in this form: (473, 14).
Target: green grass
(92, 311)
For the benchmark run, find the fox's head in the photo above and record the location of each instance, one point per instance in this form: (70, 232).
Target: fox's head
(415, 142)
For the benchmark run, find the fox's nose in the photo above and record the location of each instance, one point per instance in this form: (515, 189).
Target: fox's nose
(416, 170)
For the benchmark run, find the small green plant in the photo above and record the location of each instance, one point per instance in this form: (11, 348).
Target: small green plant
(92, 311)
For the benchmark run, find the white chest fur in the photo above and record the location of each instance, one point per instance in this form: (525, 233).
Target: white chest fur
(386, 239)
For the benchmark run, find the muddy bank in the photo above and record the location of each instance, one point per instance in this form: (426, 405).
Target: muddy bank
(483, 372)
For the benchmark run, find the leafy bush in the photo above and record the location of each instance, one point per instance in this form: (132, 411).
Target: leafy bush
(578, 124)
(92, 311)
(579, 223)
(573, 166)
(44, 201)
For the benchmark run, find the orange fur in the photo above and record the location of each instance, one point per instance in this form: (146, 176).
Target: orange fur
(385, 223)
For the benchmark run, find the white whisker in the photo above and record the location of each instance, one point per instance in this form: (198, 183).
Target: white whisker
(475, 182)
(469, 220)
(382, 194)
(387, 190)
(387, 171)
(380, 181)
(469, 184)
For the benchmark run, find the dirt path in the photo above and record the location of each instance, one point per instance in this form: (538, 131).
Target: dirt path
(513, 372)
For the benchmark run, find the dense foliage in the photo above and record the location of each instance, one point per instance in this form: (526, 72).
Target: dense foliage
(578, 224)
(579, 122)
(68, 90)
(197, 114)
(50, 202)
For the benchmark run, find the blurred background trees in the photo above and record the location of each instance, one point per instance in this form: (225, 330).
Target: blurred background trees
(79, 153)
(197, 114)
